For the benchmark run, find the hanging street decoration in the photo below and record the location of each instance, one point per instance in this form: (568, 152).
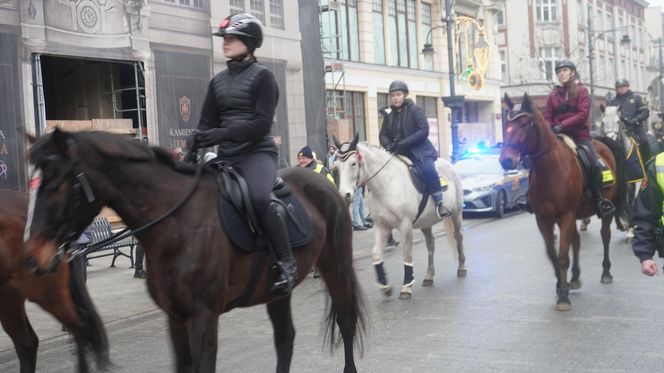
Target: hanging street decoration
(471, 37)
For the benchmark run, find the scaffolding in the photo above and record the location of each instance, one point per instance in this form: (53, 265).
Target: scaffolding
(139, 92)
(332, 48)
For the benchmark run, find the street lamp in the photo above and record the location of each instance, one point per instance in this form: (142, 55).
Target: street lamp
(452, 101)
(623, 41)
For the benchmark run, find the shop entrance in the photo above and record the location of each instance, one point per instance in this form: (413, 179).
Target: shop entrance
(86, 94)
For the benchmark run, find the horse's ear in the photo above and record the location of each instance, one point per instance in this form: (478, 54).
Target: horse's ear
(509, 102)
(60, 140)
(336, 142)
(526, 104)
(356, 138)
(602, 108)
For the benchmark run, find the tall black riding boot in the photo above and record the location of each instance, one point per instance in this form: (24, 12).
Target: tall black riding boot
(604, 206)
(274, 227)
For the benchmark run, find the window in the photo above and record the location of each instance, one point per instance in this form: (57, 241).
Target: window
(383, 102)
(272, 10)
(546, 10)
(199, 4)
(499, 17)
(340, 31)
(609, 24)
(503, 65)
(402, 25)
(379, 37)
(600, 23)
(547, 61)
(349, 106)
(425, 12)
(429, 106)
(579, 12)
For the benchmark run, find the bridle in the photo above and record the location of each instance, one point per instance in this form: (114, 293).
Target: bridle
(361, 167)
(83, 202)
(521, 148)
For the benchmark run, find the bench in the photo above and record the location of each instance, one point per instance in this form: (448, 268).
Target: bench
(102, 231)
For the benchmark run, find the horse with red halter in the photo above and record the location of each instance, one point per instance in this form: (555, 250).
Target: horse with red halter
(556, 192)
(62, 293)
(196, 271)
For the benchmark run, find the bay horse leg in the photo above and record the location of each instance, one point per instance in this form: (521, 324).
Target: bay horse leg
(575, 282)
(203, 336)
(605, 232)
(431, 270)
(15, 322)
(567, 227)
(546, 230)
(284, 331)
(408, 277)
(380, 239)
(180, 340)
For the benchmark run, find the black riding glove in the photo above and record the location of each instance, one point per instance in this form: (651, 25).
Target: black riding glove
(391, 147)
(557, 129)
(209, 137)
(628, 121)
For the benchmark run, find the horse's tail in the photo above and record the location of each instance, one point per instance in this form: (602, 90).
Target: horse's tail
(91, 327)
(340, 240)
(619, 156)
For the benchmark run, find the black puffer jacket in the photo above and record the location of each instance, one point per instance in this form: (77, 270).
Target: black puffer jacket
(409, 129)
(631, 106)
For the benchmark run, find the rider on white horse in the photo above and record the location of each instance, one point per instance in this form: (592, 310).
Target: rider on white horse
(405, 131)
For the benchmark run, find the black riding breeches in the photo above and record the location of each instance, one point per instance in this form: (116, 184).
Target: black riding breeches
(427, 167)
(259, 171)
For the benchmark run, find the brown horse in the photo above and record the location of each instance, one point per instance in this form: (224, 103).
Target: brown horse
(196, 273)
(556, 192)
(61, 293)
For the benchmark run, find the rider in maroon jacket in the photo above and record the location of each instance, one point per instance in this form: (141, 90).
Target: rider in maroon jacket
(567, 110)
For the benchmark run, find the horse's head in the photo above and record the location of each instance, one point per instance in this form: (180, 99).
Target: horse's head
(348, 167)
(610, 121)
(518, 140)
(62, 201)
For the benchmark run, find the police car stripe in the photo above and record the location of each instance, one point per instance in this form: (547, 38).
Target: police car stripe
(35, 182)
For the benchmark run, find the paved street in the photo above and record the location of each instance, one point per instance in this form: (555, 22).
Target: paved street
(500, 318)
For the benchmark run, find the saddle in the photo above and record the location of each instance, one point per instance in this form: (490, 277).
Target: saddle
(586, 168)
(237, 213)
(419, 183)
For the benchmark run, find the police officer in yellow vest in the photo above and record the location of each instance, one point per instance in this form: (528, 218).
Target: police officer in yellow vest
(305, 158)
(649, 217)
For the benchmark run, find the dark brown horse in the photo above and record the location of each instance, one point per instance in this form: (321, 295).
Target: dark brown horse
(556, 192)
(61, 293)
(195, 271)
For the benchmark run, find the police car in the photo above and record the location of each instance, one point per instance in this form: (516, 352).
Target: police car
(486, 187)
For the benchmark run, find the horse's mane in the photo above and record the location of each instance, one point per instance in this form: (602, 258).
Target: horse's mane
(110, 146)
(537, 114)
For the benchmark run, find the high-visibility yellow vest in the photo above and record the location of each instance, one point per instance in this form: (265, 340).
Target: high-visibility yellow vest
(659, 170)
(319, 168)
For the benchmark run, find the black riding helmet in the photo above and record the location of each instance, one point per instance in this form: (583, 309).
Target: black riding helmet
(399, 85)
(565, 63)
(246, 27)
(622, 83)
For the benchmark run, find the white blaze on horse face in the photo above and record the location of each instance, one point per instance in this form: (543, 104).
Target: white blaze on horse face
(35, 183)
(349, 174)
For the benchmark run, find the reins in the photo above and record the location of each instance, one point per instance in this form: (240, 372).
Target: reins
(377, 172)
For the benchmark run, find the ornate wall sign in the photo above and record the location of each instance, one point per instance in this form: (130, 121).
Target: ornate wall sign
(185, 108)
(88, 16)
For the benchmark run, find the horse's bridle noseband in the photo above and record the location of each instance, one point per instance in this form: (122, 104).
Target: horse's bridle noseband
(522, 146)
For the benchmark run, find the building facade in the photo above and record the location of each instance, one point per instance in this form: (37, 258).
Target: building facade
(367, 44)
(556, 29)
(655, 30)
(147, 61)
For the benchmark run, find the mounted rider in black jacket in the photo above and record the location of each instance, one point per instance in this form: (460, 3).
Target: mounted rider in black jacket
(633, 113)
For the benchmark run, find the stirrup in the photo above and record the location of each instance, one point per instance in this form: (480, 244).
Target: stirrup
(286, 280)
(605, 208)
(441, 211)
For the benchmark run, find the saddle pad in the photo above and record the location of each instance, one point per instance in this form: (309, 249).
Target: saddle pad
(634, 170)
(237, 228)
(607, 175)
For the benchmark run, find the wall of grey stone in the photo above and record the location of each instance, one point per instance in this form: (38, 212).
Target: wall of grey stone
(12, 142)
(314, 84)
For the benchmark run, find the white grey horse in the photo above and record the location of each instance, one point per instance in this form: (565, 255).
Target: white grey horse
(393, 201)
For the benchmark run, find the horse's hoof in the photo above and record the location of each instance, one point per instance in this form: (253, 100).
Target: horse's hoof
(607, 279)
(575, 285)
(427, 282)
(405, 295)
(563, 306)
(461, 272)
(387, 290)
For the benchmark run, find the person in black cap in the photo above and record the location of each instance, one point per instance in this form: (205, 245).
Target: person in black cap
(633, 113)
(405, 131)
(237, 116)
(306, 159)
